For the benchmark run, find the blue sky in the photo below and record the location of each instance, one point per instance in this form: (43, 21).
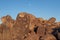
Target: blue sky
(40, 8)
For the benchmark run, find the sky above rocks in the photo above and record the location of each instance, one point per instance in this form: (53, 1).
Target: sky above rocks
(40, 8)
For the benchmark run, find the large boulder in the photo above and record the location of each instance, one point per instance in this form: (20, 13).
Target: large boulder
(7, 24)
(22, 25)
(26, 19)
(8, 21)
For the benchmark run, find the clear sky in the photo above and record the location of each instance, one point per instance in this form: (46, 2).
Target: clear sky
(40, 8)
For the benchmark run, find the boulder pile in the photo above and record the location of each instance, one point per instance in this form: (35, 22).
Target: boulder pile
(28, 27)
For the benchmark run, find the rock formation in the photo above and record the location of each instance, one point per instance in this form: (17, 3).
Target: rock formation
(28, 27)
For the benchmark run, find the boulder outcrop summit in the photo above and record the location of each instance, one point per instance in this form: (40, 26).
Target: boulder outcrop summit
(28, 27)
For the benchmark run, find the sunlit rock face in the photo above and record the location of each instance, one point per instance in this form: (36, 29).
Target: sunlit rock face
(28, 27)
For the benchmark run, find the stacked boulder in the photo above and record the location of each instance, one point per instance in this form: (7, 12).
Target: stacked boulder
(28, 27)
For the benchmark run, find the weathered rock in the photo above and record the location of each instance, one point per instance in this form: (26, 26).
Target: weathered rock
(22, 25)
(48, 37)
(8, 21)
(32, 36)
(27, 19)
(28, 27)
(4, 32)
(52, 20)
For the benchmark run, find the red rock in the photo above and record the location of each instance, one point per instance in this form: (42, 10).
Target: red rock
(28, 27)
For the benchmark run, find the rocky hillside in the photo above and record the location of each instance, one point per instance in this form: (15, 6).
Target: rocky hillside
(28, 27)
